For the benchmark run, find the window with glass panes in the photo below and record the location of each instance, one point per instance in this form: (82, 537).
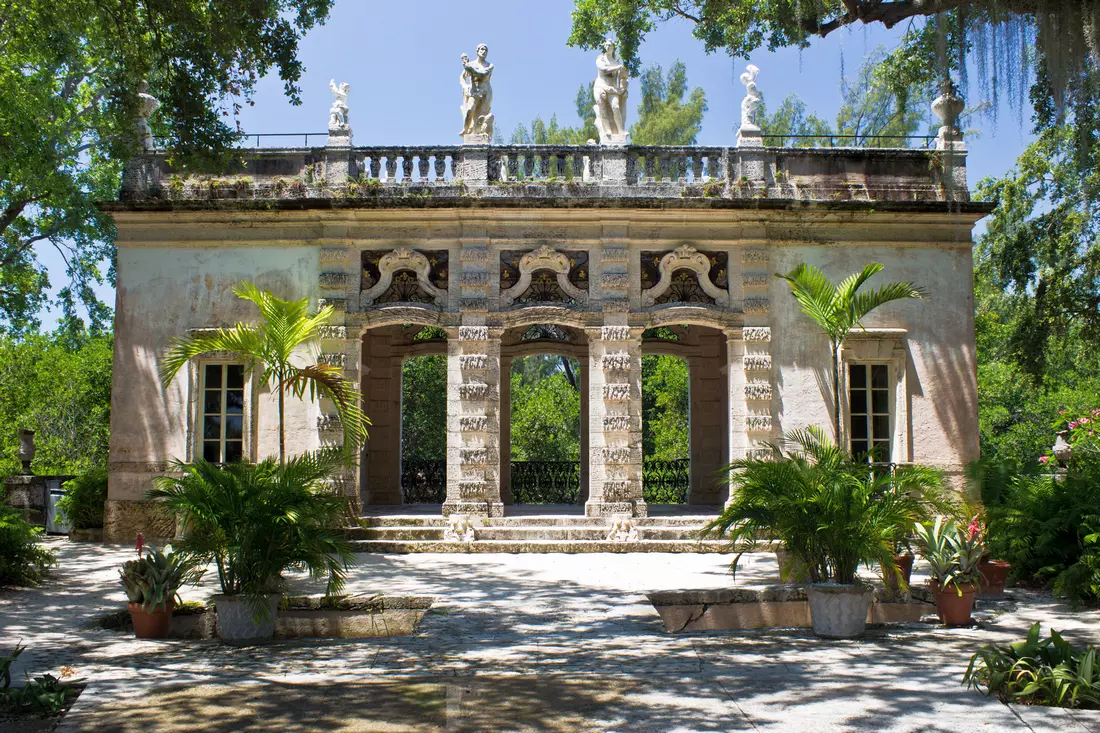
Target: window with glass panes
(223, 412)
(869, 410)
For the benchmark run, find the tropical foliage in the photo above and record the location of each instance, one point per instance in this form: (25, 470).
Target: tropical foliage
(273, 345)
(59, 385)
(154, 579)
(837, 309)
(82, 504)
(834, 513)
(546, 409)
(256, 521)
(70, 75)
(1048, 527)
(1037, 671)
(952, 554)
(23, 559)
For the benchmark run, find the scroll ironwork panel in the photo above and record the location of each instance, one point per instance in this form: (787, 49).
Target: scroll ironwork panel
(666, 482)
(546, 482)
(424, 481)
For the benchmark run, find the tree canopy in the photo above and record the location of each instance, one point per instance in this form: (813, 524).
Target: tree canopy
(70, 76)
(942, 35)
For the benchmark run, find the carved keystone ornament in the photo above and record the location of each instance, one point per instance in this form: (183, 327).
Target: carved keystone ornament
(685, 257)
(403, 258)
(543, 258)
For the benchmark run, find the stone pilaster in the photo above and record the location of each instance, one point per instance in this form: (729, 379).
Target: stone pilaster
(582, 382)
(613, 165)
(338, 166)
(756, 359)
(342, 348)
(474, 166)
(473, 422)
(615, 422)
(506, 495)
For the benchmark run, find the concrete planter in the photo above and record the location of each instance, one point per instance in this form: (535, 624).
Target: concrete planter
(235, 622)
(838, 611)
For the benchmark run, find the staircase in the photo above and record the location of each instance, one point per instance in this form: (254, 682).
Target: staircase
(547, 528)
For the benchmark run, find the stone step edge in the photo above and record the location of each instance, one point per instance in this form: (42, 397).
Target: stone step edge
(541, 546)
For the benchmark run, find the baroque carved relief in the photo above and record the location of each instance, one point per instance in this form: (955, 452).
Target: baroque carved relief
(404, 276)
(684, 275)
(543, 275)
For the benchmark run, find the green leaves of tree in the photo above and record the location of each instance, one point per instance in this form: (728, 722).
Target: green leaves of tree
(70, 72)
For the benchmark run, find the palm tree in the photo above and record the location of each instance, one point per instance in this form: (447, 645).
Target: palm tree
(285, 326)
(839, 309)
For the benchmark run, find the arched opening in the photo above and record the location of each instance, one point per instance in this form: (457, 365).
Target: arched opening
(666, 422)
(543, 436)
(685, 431)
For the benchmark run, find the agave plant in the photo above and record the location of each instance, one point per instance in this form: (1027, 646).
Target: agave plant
(154, 579)
(832, 512)
(255, 521)
(952, 556)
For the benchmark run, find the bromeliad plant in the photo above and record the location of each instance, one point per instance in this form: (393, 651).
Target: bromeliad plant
(154, 580)
(284, 335)
(1037, 672)
(832, 512)
(255, 521)
(952, 555)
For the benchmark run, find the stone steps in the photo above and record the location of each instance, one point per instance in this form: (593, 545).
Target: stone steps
(522, 533)
(564, 520)
(536, 546)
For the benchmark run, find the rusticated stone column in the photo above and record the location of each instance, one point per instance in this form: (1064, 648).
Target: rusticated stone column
(473, 422)
(615, 422)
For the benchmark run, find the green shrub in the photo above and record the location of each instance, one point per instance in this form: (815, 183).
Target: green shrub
(1037, 672)
(832, 512)
(85, 495)
(1049, 530)
(22, 559)
(255, 521)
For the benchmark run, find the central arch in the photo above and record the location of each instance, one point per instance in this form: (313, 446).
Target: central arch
(568, 346)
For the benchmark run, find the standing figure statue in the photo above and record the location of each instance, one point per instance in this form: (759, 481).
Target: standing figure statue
(338, 114)
(609, 91)
(750, 103)
(147, 105)
(477, 95)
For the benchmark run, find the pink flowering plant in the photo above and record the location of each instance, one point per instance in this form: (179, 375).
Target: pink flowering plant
(1081, 432)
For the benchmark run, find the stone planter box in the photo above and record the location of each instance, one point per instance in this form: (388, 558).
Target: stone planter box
(308, 617)
(773, 607)
(91, 534)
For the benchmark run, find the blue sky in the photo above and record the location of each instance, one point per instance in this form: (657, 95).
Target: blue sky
(402, 61)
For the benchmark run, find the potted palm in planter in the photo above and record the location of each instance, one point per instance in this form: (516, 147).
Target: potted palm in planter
(831, 512)
(254, 522)
(952, 558)
(152, 584)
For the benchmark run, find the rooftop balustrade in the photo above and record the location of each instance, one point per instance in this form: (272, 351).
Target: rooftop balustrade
(340, 172)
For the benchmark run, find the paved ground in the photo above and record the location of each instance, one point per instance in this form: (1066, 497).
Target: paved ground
(523, 643)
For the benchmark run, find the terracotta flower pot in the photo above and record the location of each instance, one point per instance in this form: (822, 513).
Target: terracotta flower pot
(905, 565)
(954, 608)
(994, 573)
(152, 624)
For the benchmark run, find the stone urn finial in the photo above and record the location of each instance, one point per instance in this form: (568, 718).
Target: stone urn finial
(26, 450)
(1062, 450)
(948, 106)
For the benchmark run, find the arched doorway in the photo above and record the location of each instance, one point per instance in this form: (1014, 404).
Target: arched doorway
(544, 429)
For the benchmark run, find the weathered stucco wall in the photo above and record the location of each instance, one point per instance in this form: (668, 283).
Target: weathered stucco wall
(176, 270)
(162, 292)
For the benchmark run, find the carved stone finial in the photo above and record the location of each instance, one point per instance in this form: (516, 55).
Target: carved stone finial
(147, 105)
(26, 450)
(477, 98)
(948, 106)
(609, 93)
(749, 104)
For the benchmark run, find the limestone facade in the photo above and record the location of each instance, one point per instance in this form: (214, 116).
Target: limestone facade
(485, 243)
